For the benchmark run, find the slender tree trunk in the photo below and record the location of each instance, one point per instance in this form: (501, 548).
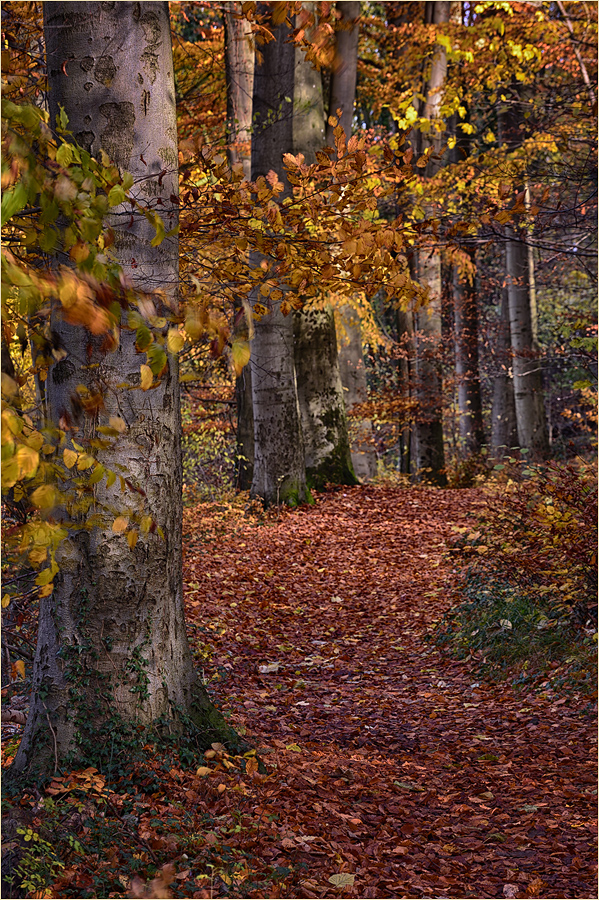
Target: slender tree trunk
(465, 311)
(504, 434)
(405, 341)
(279, 466)
(353, 378)
(342, 96)
(528, 381)
(428, 454)
(320, 392)
(239, 73)
(112, 646)
(345, 72)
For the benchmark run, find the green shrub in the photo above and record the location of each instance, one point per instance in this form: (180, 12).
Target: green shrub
(526, 596)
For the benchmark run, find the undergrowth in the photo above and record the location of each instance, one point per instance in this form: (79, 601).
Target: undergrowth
(526, 597)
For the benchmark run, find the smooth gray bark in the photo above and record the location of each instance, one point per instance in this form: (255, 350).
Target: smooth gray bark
(279, 468)
(531, 418)
(353, 378)
(504, 434)
(427, 453)
(112, 645)
(320, 391)
(239, 74)
(528, 381)
(345, 72)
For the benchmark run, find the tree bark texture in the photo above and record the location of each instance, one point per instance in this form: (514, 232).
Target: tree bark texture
(112, 645)
(239, 74)
(353, 378)
(345, 72)
(504, 434)
(528, 382)
(428, 454)
(465, 311)
(531, 418)
(279, 467)
(320, 392)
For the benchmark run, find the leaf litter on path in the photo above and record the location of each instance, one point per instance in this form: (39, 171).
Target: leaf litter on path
(393, 770)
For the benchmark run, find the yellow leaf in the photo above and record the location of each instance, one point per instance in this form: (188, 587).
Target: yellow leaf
(204, 770)
(132, 537)
(85, 461)
(96, 475)
(343, 879)
(28, 460)
(145, 524)
(174, 340)
(19, 668)
(5, 601)
(120, 524)
(146, 377)
(69, 457)
(240, 354)
(110, 479)
(44, 497)
(46, 590)
(117, 423)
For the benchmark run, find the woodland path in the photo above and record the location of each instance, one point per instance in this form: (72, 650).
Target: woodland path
(387, 760)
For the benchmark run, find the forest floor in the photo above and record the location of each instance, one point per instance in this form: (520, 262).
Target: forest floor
(391, 768)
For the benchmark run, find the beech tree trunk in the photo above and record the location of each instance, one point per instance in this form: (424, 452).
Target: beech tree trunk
(504, 434)
(320, 392)
(239, 74)
(345, 72)
(279, 466)
(428, 454)
(531, 418)
(112, 647)
(342, 95)
(528, 382)
(465, 310)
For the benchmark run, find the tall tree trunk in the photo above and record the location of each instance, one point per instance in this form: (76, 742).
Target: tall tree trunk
(428, 454)
(528, 381)
(279, 465)
(504, 434)
(405, 342)
(342, 96)
(345, 71)
(320, 392)
(465, 310)
(112, 646)
(353, 378)
(239, 73)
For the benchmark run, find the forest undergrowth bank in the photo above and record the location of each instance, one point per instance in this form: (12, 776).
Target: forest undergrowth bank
(391, 767)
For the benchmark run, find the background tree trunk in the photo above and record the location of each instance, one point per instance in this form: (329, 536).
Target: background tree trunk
(428, 454)
(345, 73)
(528, 381)
(112, 646)
(531, 419)
(239, 73)
(342, 95)
(465, 313)
(504, 434)
(279, 466)
(319, 388)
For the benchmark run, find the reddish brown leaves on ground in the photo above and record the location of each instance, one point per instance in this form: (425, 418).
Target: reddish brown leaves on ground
(392, 770)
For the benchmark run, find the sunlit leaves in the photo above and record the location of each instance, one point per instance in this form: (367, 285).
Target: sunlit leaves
(146, 377)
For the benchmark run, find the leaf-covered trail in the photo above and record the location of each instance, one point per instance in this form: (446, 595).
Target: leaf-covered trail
(387, 760)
